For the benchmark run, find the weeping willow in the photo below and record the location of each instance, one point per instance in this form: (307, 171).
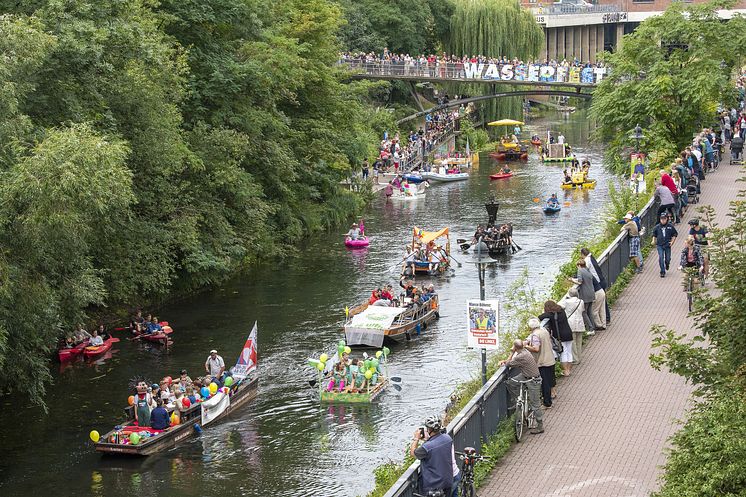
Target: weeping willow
(494, 28)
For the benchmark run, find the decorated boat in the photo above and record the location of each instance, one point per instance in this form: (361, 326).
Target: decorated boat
(375, 325)
(410, 192)
(501, 175)
(161, 337)
(65, 355)
(425, 255)
(588, 184)
(130, 439)
(361, 242)
(368, 376)
(508, 150)
(93, 351)
(536, 142)
(579, 179)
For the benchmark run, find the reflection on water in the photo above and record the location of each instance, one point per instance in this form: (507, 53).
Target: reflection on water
(285, 443)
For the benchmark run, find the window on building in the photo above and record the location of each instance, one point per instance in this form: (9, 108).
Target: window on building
(643, 1)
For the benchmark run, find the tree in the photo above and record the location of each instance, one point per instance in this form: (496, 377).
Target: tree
(669, 76)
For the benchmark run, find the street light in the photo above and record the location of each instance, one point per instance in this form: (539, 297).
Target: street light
(637, 136)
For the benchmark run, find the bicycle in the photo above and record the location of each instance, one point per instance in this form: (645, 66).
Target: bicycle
(469, 458)
(689, 286)
(524, 415)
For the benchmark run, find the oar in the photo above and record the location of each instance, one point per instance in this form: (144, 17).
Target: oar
(465, 246)
(517, 246)
(457, 261)
(396, 386)
(461, 240)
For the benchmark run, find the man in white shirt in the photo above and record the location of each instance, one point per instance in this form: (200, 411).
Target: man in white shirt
(561, 138)
(214, 365)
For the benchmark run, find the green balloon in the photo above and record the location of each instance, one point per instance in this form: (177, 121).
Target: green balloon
(366, 363)
(374, 363)
(342, 343)
(134, 439)
(340, 349)
(313, 362)
(320, 366)
(386, 351)
(228, 381)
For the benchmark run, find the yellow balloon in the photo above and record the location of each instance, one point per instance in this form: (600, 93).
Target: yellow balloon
(94, 436)
(348, 350)
(324, 358)
(368, 374)
(320, 366)
(213, 388)
(379, 354)
(175, 419)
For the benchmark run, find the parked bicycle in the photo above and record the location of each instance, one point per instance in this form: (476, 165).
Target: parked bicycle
(524, 415)
(469, 458)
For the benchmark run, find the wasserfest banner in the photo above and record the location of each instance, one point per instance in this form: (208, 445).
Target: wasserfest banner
(534, 72)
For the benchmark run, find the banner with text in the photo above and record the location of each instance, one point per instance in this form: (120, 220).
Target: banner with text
(483, 324)
(534, 72)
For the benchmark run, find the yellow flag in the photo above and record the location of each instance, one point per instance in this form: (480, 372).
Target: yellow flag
(347, 312)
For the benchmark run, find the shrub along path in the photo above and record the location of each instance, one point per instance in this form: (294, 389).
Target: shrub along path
(607, 432)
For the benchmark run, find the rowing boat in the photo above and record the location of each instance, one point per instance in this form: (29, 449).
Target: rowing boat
(375, 325)
(445, 177)
(161, 337)
(94, 351)
(65, 355)
(501, 175)
(218, 407)
(586, 185)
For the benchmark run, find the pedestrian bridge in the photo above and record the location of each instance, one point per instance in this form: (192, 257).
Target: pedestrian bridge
(529, 75)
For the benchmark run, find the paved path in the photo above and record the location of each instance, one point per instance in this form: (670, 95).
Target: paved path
(606, 434)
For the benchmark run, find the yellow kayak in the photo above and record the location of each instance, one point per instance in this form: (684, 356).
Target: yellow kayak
(588, 184)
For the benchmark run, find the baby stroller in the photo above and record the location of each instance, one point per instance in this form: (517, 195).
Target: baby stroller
(692, 190)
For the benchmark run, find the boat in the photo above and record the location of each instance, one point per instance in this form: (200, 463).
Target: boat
(161, 337)
(501, 175)
(536, 142)
(377, 366)
(94, 351)
(588, 184)
(557, 153)
(438, 258)
(507, 150)
(410, 192)
(361, 242)
(551, 209)
(65, 355)
(373, 326)
(365, 397)
(415, 178)
(566, 108)
(443, 176)
(218, 407)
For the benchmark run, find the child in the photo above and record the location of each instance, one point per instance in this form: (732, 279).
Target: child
(337, 383)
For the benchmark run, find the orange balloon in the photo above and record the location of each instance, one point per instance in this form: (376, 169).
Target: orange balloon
(131, 400)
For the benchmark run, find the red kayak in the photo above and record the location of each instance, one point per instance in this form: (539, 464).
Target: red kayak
(161, 337)
(71, 353)
(497, 155)
(501, 175)
(96, 351)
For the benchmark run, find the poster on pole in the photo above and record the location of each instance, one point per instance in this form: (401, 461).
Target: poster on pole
(483, 319)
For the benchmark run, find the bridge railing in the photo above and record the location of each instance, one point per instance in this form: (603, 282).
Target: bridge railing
(480, 417)
(572, 9)
(448, 70)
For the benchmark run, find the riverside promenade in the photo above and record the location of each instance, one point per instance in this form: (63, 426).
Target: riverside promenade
(606, 434)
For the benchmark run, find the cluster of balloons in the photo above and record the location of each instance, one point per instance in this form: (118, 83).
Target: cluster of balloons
(370, 364)
(175, 420)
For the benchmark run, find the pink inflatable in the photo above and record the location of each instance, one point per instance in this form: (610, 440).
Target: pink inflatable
(359, 243)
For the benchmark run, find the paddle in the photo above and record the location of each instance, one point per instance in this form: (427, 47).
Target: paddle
(396, 386)
(461, 240)
(457, 261)
(465, 246)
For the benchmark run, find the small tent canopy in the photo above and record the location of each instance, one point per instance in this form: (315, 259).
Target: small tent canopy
(425, 237)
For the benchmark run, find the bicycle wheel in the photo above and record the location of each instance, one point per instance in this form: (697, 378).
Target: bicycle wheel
(689, 294)
(467, 490)
(520, 413)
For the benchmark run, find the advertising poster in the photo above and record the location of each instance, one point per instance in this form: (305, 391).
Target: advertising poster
(483, 324)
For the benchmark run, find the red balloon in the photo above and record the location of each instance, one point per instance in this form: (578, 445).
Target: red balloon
(186, 403)
(168, 379)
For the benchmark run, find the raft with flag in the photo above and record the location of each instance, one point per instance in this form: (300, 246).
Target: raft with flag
(238, 389)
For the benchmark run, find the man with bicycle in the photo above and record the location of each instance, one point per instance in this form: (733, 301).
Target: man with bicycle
(522, 360)
(435, 455)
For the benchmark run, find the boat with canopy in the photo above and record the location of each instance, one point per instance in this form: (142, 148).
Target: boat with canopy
(425, 255)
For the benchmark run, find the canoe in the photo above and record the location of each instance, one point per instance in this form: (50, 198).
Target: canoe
(402, 324)
(163, 440)
(71, 353)
(157, 337)
(586, 185)
(355, 398)
(359, 243)
(445, 178)
(501, 175)
(551, 210)
(91, 352)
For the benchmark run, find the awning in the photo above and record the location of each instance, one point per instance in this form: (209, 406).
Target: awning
(505, 122)
(425, 237)
(368, 327)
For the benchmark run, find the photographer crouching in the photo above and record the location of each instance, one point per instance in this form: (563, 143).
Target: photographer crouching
(435, 456)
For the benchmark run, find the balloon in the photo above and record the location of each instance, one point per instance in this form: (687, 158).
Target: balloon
(228, 381)
(186, 402)
(131, 400)
(204, 391)
(348, 350)
(340, 349)
(213, 387)
(94, 436)
(168, 380)
(378, 354)
(367, 364)
(386, 351)
(323, 358)
(175, 420)
(342, 343)
(368, 374)
(313, 362)
(134, 438)
(374, 363)
(320, 366)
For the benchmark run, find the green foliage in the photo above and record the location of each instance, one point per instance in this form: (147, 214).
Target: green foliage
(494, 449)
(476, 137)
(708, 455)
(387, 474)
(668, 90)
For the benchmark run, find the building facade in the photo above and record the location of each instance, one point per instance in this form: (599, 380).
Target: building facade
(575, 29)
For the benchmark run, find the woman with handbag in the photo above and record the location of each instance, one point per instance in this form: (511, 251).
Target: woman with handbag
(561, 333)
(574, 311)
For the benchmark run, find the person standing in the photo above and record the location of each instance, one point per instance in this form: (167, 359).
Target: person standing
(539, 344)
(664, 195)
(366, 169)
(633, 236)
(584, 280)
(214, 365)
(523, 361)
(560, 329)
(600, 307)
(573, 307)
(664, 235)
(435, 456)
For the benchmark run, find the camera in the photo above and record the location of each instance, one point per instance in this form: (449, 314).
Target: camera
(422, 432)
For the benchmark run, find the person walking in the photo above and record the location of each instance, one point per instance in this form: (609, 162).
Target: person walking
(600, 307)
(560, 329)
(523, 361)
(539, 344)
(435, 456)
(664, 195)
(664, 235)
(573, 307)
(584, 280)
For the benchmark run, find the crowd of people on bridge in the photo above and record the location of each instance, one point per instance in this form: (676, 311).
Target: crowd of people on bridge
(443, 65)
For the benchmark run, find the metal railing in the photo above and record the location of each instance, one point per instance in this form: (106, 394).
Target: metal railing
(480, 417)
(574, 9)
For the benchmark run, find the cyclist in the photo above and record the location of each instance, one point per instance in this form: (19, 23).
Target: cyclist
(691, 257)
(435, 455)
(700, 239)
(522, 360)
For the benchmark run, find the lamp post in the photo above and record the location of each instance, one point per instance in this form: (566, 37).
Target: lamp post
(481, 260)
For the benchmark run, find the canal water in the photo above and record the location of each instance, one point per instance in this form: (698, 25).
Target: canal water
(285, 443)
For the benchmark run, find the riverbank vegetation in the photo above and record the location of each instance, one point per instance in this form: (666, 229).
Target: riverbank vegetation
(669, 77)
(148, 148)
